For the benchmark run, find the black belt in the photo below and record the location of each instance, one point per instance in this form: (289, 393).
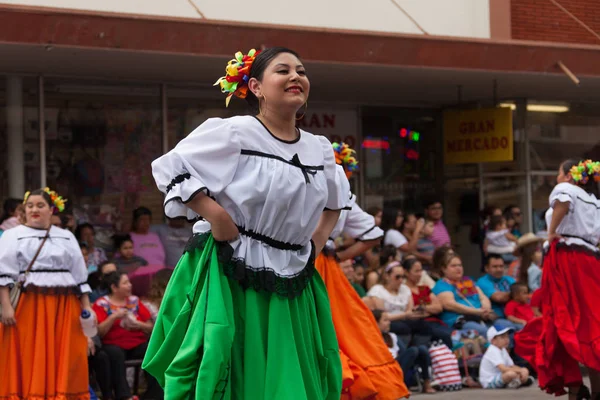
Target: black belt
(270, 241)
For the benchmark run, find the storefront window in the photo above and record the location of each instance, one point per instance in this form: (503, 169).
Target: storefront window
(400, 157)
(555, 137)
(100, 141)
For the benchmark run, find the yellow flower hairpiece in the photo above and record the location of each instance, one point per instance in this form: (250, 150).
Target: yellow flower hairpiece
(57, 200)
(237, 75)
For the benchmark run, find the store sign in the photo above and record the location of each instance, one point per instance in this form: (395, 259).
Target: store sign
(478, 136)
(336, 125)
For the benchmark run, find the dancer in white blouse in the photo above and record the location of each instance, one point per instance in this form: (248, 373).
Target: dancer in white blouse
(44, 349)
(261, 317)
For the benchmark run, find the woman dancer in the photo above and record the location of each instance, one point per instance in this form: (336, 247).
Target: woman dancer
(568, 333)
(258, 315)
(44, 349)
(368, 368)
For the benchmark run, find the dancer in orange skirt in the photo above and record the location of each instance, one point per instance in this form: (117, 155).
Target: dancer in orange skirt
(568, 333)
(369, 370)
(44, 349)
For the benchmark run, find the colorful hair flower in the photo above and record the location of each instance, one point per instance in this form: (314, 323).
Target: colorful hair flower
(57, 201)
(346, 157)
(582, 172)
(237, 75)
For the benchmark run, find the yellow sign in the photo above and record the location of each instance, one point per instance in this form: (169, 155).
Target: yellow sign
(478, 136)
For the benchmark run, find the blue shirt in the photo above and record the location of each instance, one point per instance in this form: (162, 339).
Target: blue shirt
(490, 285)
(450, 317)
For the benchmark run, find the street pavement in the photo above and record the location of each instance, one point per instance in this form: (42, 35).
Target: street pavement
(530, 393)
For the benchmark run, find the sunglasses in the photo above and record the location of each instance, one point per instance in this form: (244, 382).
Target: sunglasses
(396, 277)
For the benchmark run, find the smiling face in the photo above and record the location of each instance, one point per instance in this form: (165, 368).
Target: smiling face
(284, 84)
(38, 212)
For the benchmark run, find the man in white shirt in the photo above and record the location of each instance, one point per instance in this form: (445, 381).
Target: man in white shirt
(497, 370)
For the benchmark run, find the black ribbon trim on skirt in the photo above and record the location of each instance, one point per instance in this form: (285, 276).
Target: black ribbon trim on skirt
(52, 290)
(577, 248)
(258, 279)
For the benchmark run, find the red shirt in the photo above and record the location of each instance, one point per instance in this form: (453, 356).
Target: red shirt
(117, 335)
(518, 310)
(423, 297)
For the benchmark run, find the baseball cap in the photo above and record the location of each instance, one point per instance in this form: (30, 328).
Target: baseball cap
(493, 332)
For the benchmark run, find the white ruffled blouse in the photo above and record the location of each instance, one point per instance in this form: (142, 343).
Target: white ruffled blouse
(60, 263)
(274, 190)
(581, 225)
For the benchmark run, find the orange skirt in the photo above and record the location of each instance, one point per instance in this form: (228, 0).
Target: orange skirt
(44, 356)
(369, 370)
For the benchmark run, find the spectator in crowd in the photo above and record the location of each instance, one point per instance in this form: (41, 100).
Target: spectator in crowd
(158, 287)
(359, 274)
(497, 369)
(529, 254)
(412, 229)
(85, 233)
(518, 310)
(496, 286)
(408, 358)
(407, 322)
(439, 257)
(56, 221)
(387, 255)
(100, 288)
(377, 213)
(173, 235)
(480, 229)
(13, 213)
(425, 301)
(514, 212)
(85, 253)
(125, 258)
(425, 247)
(347, 267)
(124, 324)
(398, 237)
(146, 244)
(391, 223)
(465, 306)
(498, 240)
(434, 212)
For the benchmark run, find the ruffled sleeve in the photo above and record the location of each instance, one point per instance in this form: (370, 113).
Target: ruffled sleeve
(205, 161)
(78, 267)
(9, 267)
(337, 184)
(564, 193)
(361, 225)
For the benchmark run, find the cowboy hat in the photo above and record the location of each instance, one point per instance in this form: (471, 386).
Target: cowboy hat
(526, 240)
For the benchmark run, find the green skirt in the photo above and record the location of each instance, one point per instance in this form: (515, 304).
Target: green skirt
(215, 340)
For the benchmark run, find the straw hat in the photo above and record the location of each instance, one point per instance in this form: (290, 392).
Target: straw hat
(526, 240)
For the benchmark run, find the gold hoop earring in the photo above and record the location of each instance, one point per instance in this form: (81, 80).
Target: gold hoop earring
(304, 113)
(259, 107)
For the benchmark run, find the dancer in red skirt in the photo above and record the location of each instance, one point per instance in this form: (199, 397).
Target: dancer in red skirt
(568, 333)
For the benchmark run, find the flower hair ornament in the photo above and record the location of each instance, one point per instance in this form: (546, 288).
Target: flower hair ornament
(585, 170)
(237, 75)
(57, 200)
(346, 157)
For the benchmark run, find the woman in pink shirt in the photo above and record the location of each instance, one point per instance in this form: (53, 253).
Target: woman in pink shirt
(146, 244)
